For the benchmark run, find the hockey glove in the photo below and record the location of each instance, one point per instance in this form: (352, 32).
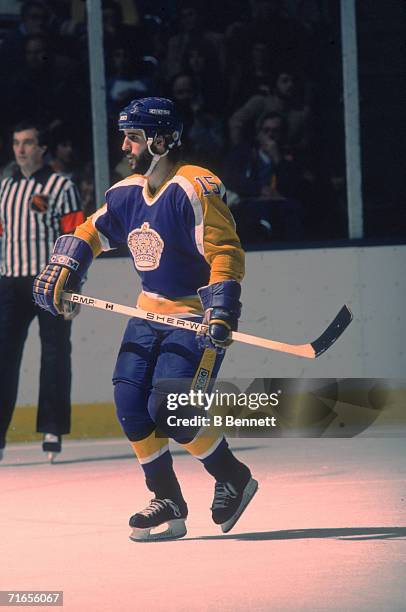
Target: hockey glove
(222, 311)
(66, 270)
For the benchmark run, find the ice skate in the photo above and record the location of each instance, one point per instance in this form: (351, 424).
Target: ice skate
(52, 445)
(161, 520)
(230, 502)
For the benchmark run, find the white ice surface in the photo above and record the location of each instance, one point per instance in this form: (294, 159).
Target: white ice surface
(326, 530)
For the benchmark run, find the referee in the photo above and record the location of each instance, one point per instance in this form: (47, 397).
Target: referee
(36, 206)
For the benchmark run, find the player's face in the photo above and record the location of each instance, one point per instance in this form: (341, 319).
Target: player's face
(27, 151)
(136, 150)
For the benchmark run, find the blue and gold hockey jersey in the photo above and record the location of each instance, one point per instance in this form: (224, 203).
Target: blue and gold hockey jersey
(181, 238)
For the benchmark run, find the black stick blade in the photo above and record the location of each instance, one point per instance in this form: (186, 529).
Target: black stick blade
(333, 331)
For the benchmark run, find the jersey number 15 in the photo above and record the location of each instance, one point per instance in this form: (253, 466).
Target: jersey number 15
(208, 185)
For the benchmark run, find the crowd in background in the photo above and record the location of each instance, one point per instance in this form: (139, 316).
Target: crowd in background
(257, 84)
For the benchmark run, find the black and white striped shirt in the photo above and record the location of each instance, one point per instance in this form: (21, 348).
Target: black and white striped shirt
(28, 236)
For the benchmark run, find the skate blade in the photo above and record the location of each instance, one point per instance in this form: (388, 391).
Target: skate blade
(249, 492)
(175, 529)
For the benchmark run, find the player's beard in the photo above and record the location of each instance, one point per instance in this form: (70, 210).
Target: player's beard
(141, 163)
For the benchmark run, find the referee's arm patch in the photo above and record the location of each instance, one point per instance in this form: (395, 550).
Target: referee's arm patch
(70, 222)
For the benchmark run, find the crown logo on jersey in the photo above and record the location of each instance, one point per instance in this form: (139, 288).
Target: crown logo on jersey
(146, 246)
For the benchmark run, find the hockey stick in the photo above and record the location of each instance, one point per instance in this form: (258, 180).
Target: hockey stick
(310, 350)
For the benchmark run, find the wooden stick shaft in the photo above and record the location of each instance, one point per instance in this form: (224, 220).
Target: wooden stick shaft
(300, 350)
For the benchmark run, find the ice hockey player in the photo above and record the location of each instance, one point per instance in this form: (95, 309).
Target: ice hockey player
(174, 220)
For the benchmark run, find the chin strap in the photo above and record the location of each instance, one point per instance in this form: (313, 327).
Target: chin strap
(155, 157)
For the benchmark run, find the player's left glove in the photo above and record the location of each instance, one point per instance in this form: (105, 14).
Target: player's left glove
(66, 270)
(222, 311)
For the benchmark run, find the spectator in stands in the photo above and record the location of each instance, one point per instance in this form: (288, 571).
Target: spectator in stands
(287, 39)
(37, 89)
(154, 41)
(191, 31)
(283, 99)
(63, 155)
(203, 134)
(200, 62)
(122, 81)
(115, 29)
(35, 20)
(265, 184)
(87, 189)
(251, 76)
